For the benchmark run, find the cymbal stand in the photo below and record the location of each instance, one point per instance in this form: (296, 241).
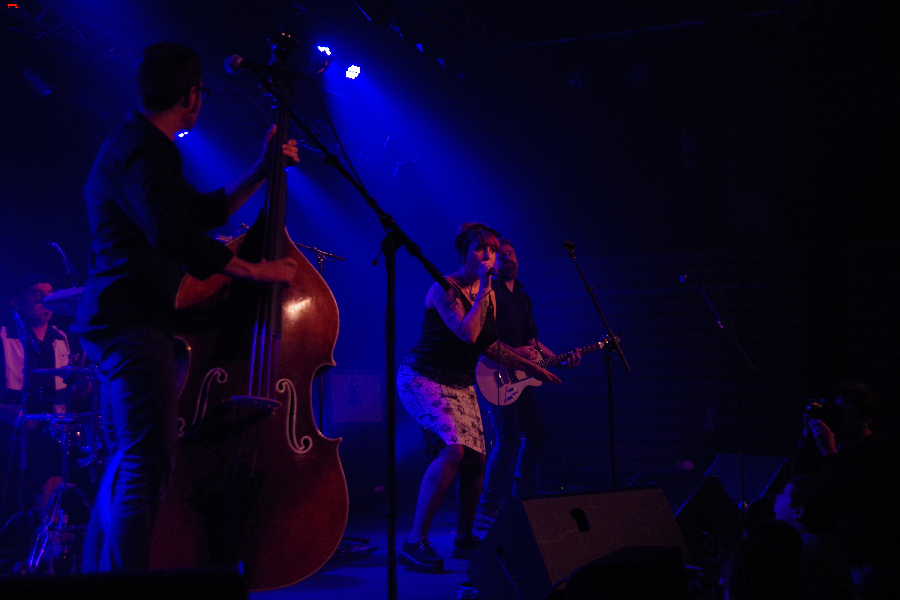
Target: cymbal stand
(55, 528)
(16, 532)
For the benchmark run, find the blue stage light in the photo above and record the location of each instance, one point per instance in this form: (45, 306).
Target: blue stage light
(325, 50)
(353, 72)
(183, 133)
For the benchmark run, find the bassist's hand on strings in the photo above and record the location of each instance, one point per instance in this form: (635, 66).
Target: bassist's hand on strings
(276, 271)
(245, 186)
(289, 149)
(264, 164)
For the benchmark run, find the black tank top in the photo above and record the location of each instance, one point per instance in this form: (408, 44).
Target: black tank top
(442, 356)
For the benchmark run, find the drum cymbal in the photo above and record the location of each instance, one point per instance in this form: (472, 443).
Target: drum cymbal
(64, 302)
(54, 417)
(61, 371)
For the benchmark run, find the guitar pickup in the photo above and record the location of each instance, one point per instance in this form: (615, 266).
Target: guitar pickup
(508, 376)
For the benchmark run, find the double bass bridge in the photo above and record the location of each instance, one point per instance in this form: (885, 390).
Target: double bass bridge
(228, 417)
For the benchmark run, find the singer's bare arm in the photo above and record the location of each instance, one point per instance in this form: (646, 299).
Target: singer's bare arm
(465, 325)
(506, 355)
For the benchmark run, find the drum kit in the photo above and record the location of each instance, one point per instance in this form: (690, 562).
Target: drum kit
(55, 547)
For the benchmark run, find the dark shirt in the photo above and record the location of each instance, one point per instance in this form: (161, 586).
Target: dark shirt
(442, 356)
(824, 572)
(515, 324)
(148, 226)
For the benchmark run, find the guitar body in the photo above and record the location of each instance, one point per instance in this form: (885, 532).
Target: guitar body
(501, 386)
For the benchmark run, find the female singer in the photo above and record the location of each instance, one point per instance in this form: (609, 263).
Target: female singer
(437, 387)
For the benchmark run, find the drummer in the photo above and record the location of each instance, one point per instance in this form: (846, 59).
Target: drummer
(45, 347)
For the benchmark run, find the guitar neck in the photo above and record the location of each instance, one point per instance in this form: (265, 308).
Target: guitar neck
(555, 360)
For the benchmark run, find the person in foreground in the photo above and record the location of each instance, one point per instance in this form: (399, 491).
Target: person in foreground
(851, 441)
(765, 564)
(147, 224)
(436, 385)
(809, 504)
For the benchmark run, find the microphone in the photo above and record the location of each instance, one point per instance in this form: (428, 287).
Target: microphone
(70, 269)
(492, 272)
(568, 245)
(236, 62)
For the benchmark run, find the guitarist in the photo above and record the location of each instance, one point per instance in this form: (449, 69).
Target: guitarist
(518, 428)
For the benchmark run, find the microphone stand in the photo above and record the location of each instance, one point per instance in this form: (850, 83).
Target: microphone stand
(613, 345)
(71, 273)
(321, 255)
(394, 238)
(732, 335)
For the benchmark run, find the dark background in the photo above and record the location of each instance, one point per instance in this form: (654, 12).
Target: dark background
(750, 145)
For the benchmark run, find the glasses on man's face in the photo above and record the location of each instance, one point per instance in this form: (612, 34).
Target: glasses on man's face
(36, 296)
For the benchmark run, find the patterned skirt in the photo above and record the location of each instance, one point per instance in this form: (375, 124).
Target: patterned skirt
(450, 412)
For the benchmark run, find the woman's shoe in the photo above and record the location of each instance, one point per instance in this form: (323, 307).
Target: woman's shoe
(420, 557)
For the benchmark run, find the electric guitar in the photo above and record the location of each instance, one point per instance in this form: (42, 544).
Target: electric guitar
(501, 385)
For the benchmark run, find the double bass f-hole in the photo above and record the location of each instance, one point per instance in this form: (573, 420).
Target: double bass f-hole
(253, 479)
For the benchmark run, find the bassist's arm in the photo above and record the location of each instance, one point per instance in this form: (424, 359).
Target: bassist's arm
(240, 190)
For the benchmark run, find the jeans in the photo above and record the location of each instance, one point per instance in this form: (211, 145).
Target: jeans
(138, 384)
(519, 438)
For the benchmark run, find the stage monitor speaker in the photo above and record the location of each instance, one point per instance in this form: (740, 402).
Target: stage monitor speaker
(186, 584)
(537, 541)
(763, 475)
(705, 514)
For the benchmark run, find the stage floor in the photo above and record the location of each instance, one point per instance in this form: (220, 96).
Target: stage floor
(367, 577)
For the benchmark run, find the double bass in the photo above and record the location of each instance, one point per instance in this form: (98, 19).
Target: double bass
(254, 480)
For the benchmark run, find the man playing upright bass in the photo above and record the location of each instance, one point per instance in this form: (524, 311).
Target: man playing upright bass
(148, 225)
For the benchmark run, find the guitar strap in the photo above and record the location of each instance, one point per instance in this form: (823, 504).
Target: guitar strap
(537, 342)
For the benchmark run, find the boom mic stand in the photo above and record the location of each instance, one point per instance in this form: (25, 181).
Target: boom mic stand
(732, 335)
(612, 346)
